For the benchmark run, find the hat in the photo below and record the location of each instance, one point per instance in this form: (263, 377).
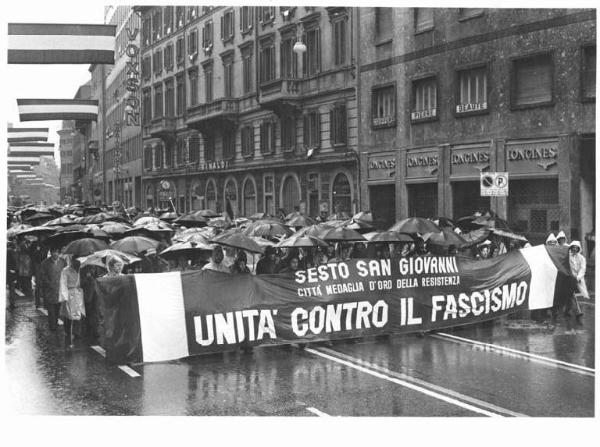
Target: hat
(560, 234)
(486, 242)
(551, 238)
(575, 244)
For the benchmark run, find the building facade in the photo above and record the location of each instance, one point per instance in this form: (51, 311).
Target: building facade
(65, 147)
(446, 94)
(231, 113)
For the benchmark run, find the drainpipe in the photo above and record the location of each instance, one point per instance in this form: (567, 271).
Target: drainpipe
(356, 23)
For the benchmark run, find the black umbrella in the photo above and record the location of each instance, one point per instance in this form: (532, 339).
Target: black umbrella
(39, 218)
(35, 231)
(391, 236)
(342, 234)
(206, 213)
(414, 225)
(62, 238)
(134, 244)
(238, 240)
(301, 221)
(267, 228)
(168, 217)
(84, 247)
(191, 220)
(446, 238)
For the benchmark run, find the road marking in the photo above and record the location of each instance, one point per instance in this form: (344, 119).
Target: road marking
(517, 354)
(313, 410)
(127, 370)
(372, 371)
(45, 312)
(99, 349)
(18, 292)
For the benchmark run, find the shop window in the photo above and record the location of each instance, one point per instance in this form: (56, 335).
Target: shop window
(424, 100)
(341, 194)
(169, 99)
(228, 139)
(340, 40)
(288, 59)
(383, 100)
(288, 133)
(472, 90)
(158, 101)
(290, 194)
(267, 137)
(532, 79)
(209, 148)
(312, 129)
(193, 75)
(267, 61)
(246, 18)
(312, 56)
(588, 78)
(247, 141)
(194, 148)
(249, 198)
(469, 13)
(383, 24)
(422, 200)
(227, 29)
(423, 19)
(338, 125)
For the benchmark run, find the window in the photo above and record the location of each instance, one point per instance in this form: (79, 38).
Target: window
(532, 80)
(338, 125)
(248, 141)
(158, 156)
(169, 57)
(192, 13)
(269, 202)
(289, 59)
(424, 104)
(383, 24)
(228, 77)
(288, 133)
(312, 129)
(193, 43)
(168, 155)
(209, 147)
(158, 101)
(384, 107)
(148, 158)
(267, 137)
(207, 36)
(246, 18)
(423, 19)
(193, 75)
(194, 148)
(588, 70)
(208, 83)
(267, 62)
(247, 72)
(179, 156)
(227, 29)
(266, 14)
(168, 20)
(180, 95)
(157, 62)
(469, 13)
(206, 9)
(472, 90)
(341, 199)
(339, 41)
(312, 56)
(179, 16)
(157, 24)
(180, 51)
(211, 195)
(249, 194)
(146, 68)
(169, 99)
(228, 145)
(146, 24)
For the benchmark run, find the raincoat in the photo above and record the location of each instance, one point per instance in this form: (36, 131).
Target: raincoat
(578, 267)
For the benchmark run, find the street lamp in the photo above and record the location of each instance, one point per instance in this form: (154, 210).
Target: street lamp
(299, 47)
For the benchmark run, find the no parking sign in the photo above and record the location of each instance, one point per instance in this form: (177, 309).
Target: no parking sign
(494, 184)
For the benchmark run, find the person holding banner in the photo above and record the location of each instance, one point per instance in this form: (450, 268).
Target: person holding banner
(266, 264)
(578, 268)
(551, 239)
(216, 261)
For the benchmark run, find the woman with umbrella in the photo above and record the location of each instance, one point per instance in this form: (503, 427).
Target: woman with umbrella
(71, 299)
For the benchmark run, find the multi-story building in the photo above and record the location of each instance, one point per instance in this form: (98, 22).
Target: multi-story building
(446, 94)
(82, 130)
(65, 147)
(231, 112)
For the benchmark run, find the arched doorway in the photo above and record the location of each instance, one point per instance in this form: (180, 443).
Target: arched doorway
(231, 195)
(211, 195)
(249, 195)
(341, 194)
(290, 193)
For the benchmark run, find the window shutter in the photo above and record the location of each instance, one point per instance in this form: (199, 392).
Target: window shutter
(222, 27)
(232, 25)
(306, 135)
(318, 129)
(318, 47)
(343, 125)
(273, 135)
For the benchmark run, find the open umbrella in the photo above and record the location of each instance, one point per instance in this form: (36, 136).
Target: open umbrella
(39, 218)
(62, 237)
(446, 238)
(98, 233)
(67, 219)
(359, 225)
(342, 234)
(99, 258)
(475, 236)
(300, 221)
(262, 216)
(168, 217)
(238, 240)
(262, 242)
(314, 230)
(14, 231)
(115, 228)
(443, 222)
(302, 241)
(134, 244)
(219, 222)
(390, 236)
(206, 213)
(267, 228)
(153, 231)
(509, 234)
(100, 218)
(191, 220)
(35, 231)
(206, 232)
(144, 220)
(84, 247)
(363, 216)
(186, 248)
(414, 225)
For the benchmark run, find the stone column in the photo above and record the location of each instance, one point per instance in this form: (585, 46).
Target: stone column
(498, 164)
(568, 185)
(445, 207)
(401, 191)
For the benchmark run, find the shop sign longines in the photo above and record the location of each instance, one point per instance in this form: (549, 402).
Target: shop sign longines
(422, 163)
(382, 166)
(532, 156)
(469, 161)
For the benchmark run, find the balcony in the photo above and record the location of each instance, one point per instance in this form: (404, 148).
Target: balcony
(280, 95)
(218, 114)
(160, 128)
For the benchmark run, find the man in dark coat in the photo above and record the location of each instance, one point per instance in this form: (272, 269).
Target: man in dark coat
(39, 252)
(11, 272)
(50, 271)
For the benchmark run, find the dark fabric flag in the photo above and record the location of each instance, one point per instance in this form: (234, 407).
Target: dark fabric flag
(24, 134)
(45, 43)
(57, 109)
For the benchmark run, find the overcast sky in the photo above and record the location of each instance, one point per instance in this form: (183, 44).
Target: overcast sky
(46, 81)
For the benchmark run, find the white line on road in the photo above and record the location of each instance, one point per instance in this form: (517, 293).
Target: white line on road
(127, 370)
(313, 410)
(18, 292)
(404, 383)
(99, 349)
(516, 353)
(45, 312)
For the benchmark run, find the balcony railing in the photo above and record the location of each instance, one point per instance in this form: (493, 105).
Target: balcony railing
(221, 111)
(160, 127)
(280, 92)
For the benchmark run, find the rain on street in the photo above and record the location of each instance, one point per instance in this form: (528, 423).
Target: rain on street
(492, 369)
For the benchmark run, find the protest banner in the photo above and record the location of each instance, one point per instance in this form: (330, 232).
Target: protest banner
(166, 316)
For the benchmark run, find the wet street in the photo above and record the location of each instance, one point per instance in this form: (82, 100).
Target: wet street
(496, 369)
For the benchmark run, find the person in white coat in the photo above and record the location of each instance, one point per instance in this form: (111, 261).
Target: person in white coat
(578, 267)
(561, 238)
(551, 239)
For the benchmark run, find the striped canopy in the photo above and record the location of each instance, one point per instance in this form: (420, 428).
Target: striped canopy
(57, 109)
(47, 43)
(31, 149)
(22, 134)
